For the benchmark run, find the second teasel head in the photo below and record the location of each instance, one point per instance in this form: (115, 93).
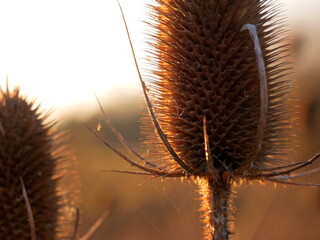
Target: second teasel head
(34, 158)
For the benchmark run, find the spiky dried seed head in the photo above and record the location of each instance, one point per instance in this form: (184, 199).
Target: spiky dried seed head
(218, 100)
(34, 155)
(203, 66)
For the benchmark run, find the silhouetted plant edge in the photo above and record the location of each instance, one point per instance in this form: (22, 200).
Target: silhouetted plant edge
(58, 157)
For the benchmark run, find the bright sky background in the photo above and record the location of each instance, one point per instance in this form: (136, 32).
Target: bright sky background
(64, 51)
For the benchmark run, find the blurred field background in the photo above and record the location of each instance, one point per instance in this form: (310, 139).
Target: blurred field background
(144, 208)
(156, 209)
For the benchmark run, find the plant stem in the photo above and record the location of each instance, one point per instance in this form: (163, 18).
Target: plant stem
(215, 207)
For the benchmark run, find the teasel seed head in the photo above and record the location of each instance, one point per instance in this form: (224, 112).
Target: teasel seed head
(204, 66)
(219, 97)
(38, 184)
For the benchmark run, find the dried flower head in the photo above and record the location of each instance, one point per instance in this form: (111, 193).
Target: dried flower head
(38, 188)
(219, 96)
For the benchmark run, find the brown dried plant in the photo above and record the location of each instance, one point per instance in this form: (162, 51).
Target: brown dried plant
(39, 190)
(220, 99)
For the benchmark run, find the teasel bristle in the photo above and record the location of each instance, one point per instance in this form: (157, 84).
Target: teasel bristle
(220, 99)
(204, 66)
(39, 188)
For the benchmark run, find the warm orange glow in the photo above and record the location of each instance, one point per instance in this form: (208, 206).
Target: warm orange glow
(64, 51)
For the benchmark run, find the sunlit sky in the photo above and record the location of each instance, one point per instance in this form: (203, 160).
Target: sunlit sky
(64, 51)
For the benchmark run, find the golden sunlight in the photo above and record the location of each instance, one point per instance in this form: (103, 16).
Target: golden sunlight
(62, 52)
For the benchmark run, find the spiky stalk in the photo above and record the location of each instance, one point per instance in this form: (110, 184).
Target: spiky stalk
(215, 207)
(205, 66)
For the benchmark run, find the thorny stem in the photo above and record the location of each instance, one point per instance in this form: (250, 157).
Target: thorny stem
(215, 193)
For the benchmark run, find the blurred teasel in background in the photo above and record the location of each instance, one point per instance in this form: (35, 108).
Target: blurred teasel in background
(220, 96)
(39, 188)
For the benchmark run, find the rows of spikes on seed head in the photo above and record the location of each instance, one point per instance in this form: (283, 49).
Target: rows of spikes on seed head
(34, 159)
(202, 65)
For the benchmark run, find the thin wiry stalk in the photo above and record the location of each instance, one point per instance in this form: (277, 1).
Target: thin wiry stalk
(297, 175)
(119, 136)
(76, 225)
(135, 164)
(130, 172)
(289, 171)
(207, 147)
(281, 167)
(155, 121)
(293, 183)
(91, 230)
(30, 214)
(95, 226)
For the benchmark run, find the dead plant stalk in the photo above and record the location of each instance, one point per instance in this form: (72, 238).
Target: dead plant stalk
(220, 99)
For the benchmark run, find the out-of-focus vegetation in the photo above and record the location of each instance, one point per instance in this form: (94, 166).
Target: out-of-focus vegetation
(154, 209)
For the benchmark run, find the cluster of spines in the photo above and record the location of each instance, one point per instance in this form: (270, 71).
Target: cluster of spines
(202, 65)
(33, 160)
